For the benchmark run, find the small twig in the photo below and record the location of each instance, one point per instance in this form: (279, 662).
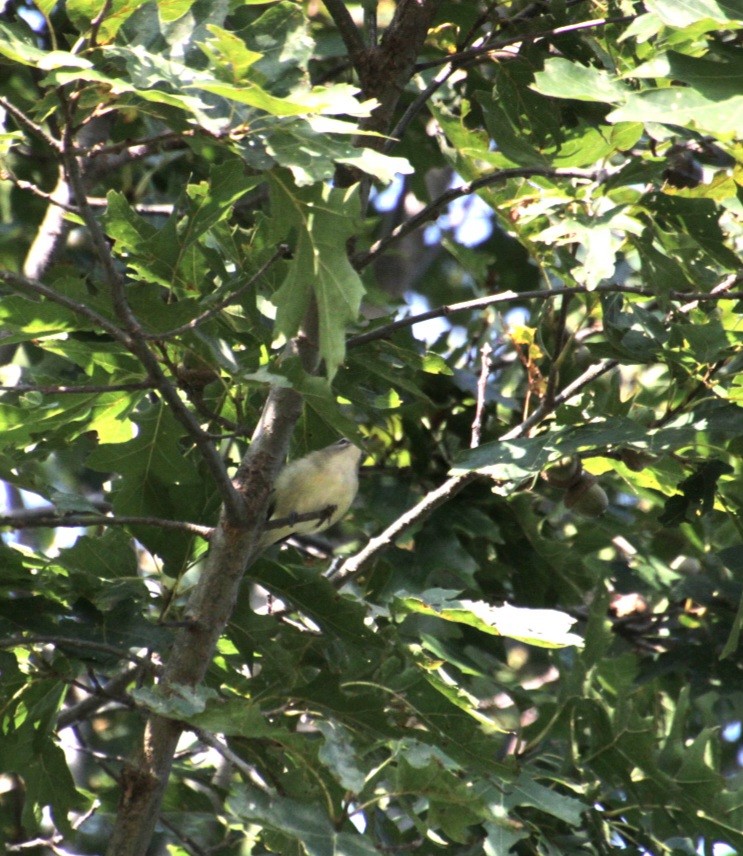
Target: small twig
(281, 252)
(544, 409)
(481, 19)
(224, 750)
(195, 394)
(151, 209)
(21, 184)
(23, 120)
(149, 144)
(110, 691)
(485, 364)
(431, 501)
(559, 349)
(186, 840)
(55, 389)
(95, 24)
(416, 106)
(21, 641)
(231, 429)
(701, 387)
(721, 290)
(52, 843)
(420, 100)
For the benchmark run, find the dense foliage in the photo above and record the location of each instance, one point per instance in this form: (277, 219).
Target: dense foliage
(212, 214)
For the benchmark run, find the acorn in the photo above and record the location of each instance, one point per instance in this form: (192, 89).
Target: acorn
(582, 358)
(686, 565)
(634, 460)
(564, 473)
(587, 497)
(196, 376)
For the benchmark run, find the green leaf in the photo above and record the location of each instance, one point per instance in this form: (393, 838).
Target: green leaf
(152, 78)
(174, 10)
(154, 452)
(83, 12)
(677, 105)
(179, 702)
(690, 11)
(251, 95)
(48, 782)
(112, 555)
(300, 824)
(323, 218)
(564, 79)
(698, 494)
(312, 147)
(229, 51)
(338, 755)
(25, 319)
(45, 6)
(509, 140)
(526, 791)
(17, 45)
(516, 459)
(453, 808)
(545, 628)
(707, 341)
(318, 599)
(501, 837)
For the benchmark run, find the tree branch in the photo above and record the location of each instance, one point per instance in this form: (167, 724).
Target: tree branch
(232, 549)
(387, 330)
(51, 518)
(545, 408)
(384, 71)
(137, 344)
(466, 57)
(416, 106)
(139, 348)
(55, 389)
(110, 691)
(348, 30)
(21, 283)
(353, 566)
(492, 49)
(433, 209)
(486, 364)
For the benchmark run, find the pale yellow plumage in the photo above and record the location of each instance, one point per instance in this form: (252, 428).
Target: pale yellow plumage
(328, 477)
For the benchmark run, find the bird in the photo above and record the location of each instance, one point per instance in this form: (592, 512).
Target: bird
(322, 484)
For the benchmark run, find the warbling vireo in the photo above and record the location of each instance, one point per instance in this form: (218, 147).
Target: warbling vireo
(323, 481)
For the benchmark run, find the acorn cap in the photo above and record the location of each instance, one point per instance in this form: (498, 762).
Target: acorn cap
(564, 473)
